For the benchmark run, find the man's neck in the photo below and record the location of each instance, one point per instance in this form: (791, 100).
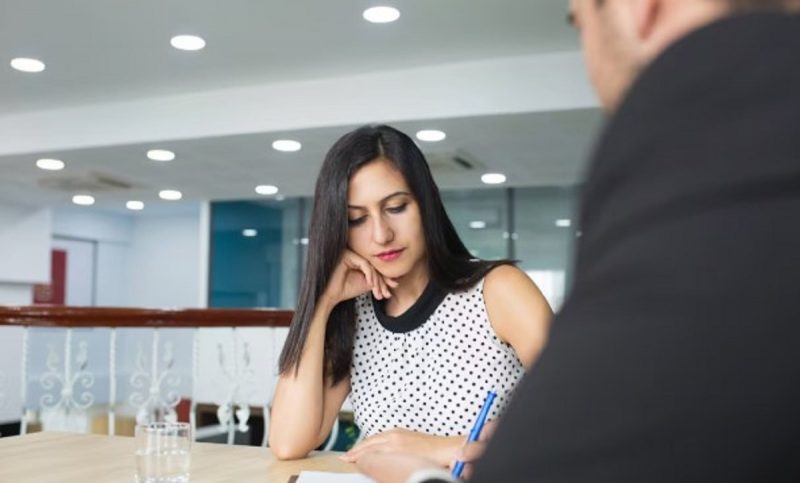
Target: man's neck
(678, 20)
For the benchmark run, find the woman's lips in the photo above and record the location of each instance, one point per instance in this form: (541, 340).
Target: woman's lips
(390, 255)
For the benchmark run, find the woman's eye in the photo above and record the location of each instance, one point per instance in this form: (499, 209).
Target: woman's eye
(357, 221)
(397, 209)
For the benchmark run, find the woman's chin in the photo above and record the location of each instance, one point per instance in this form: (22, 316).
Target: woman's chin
(392, 272)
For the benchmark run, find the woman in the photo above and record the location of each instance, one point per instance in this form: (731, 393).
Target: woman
(395, 311)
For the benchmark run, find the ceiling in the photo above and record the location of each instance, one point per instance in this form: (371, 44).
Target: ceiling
(533, 149)
(117, 51)
(112, 49)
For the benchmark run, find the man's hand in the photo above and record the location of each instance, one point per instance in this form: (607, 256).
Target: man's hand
(471, 452)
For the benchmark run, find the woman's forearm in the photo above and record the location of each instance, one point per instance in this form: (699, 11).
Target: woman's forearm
(299, 402)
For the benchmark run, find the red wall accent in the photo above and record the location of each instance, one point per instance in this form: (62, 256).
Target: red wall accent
(53, 293)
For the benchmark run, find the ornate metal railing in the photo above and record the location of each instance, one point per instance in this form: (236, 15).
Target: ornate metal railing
(75, 363)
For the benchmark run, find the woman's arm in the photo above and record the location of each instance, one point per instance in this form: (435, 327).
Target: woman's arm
(518, 312)
(305, 404)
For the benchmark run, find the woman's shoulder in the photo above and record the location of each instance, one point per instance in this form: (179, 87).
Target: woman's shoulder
(505, 277)
(497, 283)
(511, 298)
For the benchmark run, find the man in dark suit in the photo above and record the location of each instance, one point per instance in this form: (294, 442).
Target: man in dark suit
(677, 354)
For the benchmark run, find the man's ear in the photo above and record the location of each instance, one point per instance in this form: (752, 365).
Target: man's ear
(646, 15)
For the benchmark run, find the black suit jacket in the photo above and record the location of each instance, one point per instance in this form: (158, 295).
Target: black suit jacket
(677, 355)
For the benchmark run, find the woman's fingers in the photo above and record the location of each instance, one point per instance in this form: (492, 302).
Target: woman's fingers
(376, 288)
(384, 288)
(362, 446)
(373, 279)
(355, 262)
(380, 285)
(379, 288)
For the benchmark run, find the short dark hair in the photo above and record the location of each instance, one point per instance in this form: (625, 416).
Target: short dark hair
(450, 264)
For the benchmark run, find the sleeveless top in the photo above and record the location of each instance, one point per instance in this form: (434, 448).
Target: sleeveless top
(429, 369)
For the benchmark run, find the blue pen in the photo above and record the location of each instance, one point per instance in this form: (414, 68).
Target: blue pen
(476, 429)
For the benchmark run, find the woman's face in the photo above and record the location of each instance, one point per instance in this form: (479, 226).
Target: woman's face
(385, 226)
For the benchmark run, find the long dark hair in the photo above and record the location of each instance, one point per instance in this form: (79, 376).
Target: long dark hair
(449, 262)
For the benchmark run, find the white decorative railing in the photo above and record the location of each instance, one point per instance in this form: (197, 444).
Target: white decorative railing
(81, 366)
(234, 412)
(67, 392)
(155, 388)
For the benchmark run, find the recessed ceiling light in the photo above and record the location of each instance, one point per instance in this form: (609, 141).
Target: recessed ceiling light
(50, 164)
(249, 232)
(286, 145)
(477, 224)
(187, 42)
(563, 222)
(83, 200)
(134, 205)
(493, 178)
(381, 14)
(160, 155)
(266, 189)
(431, 135)
(24, 64)
(171, 195)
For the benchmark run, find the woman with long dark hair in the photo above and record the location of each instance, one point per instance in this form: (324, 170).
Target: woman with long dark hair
(395, 312)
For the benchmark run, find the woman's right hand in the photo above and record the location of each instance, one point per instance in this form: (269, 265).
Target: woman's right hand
(354, 276)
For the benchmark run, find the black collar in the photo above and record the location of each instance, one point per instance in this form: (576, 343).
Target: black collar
(416, 315)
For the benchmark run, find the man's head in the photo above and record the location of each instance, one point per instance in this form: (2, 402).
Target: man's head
(620, 37)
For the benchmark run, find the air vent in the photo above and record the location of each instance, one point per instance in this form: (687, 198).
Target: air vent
(452, 162)
(91, 182)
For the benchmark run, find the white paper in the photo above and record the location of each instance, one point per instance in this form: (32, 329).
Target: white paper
(325, 477)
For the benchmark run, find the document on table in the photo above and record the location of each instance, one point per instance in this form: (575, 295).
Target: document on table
(325, 477)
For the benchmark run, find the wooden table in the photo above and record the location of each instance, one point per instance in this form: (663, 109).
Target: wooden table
(86, 458)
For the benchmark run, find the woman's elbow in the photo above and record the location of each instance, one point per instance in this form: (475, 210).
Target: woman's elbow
(287, 450)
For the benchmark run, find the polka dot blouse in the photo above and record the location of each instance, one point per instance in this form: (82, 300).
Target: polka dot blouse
(429, 369)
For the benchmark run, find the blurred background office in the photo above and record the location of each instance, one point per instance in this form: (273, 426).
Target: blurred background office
(162, 154)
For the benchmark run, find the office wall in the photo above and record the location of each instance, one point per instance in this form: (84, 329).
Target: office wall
(109, 236)
(15, 293)
(24, 250)
(164, 261)
(142, 260)
(10, 357)
(79, 286)
(24, 260)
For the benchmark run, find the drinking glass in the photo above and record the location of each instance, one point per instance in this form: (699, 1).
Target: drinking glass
(163, 452)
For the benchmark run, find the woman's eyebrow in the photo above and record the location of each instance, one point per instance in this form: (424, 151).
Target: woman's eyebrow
(383, 200)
